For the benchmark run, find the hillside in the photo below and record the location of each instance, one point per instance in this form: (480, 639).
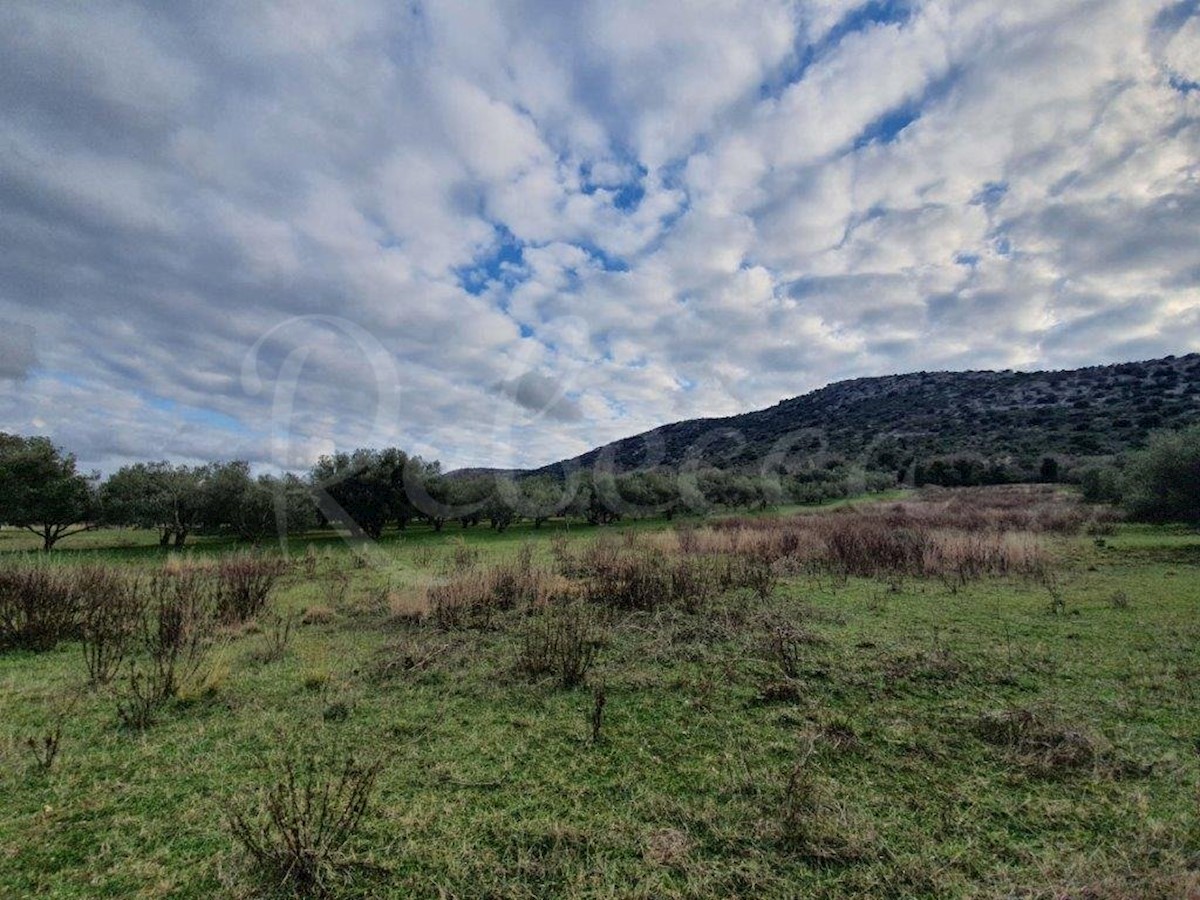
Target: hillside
(884, 422)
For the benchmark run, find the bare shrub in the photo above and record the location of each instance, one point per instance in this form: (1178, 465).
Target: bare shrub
(44, 748)
(753, 572)
(868, 546)
(244, 584)
(596, 557)
(463, 602)
(139, 699)
(176, 632)
(639, 580)
(318, 615)
(278, 633)
(561, 641)
(693, 582)
(935, 664)
(310, 562)
(512, 583)
(472, 598)
(945, 540)
(785, 646)
(1038, 740)
(296, 829)
(112, 607)
(811, 820)
(462, 557)
(648, 577)
(560, 552)
(337, 590)
(407, 656)
(599, 701)
(407, 607)
(38, 605)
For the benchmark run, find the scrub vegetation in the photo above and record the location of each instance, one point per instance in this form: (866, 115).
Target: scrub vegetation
(970, 692)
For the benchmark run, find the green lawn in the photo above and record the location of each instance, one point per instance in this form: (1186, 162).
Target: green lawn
(492, 787)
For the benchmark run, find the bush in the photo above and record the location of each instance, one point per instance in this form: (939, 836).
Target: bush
(1162, 482)
(471, 598)
(561, 641)
(244, 584)
(1101, 485)
(112, 609)
(175, 635)
(297, 830)
(38, 605)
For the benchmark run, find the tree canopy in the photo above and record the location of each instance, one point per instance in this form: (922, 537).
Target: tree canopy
(1162, 482)
(41, 491)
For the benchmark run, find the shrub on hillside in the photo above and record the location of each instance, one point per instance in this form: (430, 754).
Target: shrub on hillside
(1101, 484)
(1162, 482)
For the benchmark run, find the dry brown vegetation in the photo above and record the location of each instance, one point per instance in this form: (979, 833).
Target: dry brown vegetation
(955, 537)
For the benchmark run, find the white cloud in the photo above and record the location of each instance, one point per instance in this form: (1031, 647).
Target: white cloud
(625, 211)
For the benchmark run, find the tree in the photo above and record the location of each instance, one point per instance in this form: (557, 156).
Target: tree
(251, 509)
(1162, 482)
(41, 492)
(156, 495)
(364, 490)
(536, 498)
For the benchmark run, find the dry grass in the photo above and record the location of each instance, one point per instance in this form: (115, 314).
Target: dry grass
(1037, 740)
(989, 533)
(472, 597)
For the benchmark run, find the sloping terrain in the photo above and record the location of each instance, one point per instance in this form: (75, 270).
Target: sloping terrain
(881, 422)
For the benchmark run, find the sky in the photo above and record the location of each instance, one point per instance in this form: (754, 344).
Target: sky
(502, 233)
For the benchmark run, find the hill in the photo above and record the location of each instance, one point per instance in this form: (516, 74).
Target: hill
(1010, 417)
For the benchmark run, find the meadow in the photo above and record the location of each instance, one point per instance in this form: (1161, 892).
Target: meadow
(976, 693)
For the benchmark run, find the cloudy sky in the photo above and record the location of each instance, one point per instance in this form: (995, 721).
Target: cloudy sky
(501, 233)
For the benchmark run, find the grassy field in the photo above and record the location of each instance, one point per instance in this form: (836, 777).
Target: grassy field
(826, 734)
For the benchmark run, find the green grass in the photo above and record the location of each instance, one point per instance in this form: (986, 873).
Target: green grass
(493, 788)
(132, 544)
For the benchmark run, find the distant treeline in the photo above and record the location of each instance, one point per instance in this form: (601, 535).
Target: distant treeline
(364, 492)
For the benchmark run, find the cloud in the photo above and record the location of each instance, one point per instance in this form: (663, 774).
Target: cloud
(17, 354)
(673, 216)
(542, 396)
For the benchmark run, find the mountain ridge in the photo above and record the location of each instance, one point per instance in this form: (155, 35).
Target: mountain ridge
(880, 421)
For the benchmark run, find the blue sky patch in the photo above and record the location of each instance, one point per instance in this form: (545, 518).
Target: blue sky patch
(501, 263)
(869, 15)
(603, 259)
(1183, 85)
(991, 194)
(193, 415)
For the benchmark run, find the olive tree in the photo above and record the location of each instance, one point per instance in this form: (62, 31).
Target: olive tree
(156, 495)
(41, 491)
